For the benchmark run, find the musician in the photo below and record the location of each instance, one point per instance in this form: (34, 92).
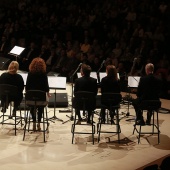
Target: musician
(37, 80)
(149, 88)
(85, 83)
(110, 84)
(11, 77)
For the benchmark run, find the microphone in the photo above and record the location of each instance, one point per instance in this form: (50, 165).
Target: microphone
(101, 66)
(80, 64)
(102, 62)
(135, 59)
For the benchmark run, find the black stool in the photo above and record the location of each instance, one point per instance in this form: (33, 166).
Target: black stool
(35, 99)
(110, 102)
(85, 101)
(153, 107)
(8, 92)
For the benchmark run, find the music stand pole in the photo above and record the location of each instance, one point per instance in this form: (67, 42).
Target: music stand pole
(71, 118)
(55, 117)
(71, 77)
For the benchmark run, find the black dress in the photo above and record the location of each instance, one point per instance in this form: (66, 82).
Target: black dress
(15, 80)
(37, 81)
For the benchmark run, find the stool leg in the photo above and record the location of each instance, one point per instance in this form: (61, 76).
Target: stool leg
(73, 128)
(158, 127)
(117, 126)
(139, 133)
(153, 125)
(43, 125)
(25, 126)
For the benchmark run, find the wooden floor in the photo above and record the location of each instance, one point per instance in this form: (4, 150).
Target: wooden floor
(60, 154)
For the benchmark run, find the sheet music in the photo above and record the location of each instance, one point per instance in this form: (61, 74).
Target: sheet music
(133, 81)
(57, 82)
(103, 74)
(92, 74)
(16, 50)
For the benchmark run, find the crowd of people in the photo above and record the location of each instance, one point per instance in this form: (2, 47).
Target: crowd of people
(125, 33)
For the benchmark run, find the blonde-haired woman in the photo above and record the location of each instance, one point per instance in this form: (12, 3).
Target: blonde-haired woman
(37, 80)
(11, 77)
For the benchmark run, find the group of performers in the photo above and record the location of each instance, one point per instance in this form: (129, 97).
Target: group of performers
(148, 89)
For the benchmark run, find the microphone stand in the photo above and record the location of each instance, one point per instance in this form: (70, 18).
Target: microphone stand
(99, 71)
(71, 78)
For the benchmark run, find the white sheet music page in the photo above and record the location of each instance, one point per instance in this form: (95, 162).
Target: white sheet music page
(92, 74)
(57, 82)
(133, 81)
(16, 50)
(103, 74)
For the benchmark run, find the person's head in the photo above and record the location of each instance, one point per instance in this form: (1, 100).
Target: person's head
(85, 70)
(37, 65)
(13, 67)
(111, 71)
(149, 68)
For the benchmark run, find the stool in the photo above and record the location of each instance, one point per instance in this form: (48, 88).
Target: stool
(35, 99)
(110, 102)
(84, 101)
(8, 92)
(152, 106)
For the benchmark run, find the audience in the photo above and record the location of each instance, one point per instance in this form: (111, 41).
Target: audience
(125, 29)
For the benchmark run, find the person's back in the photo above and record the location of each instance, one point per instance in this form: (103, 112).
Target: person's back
(85, 83)
(11, 77)
(149, 88)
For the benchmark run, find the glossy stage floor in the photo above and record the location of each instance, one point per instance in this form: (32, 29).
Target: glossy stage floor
(59, 153)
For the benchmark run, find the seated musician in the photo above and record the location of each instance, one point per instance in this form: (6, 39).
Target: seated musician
(85, 83)
(11, 77)
(149, 88)
(110, 84)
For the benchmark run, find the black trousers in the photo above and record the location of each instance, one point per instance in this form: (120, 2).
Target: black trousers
(139, 115)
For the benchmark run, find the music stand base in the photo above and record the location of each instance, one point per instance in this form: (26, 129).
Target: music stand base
(55, 118)
(71, 119)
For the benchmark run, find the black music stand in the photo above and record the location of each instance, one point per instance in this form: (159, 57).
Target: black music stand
(16, 51)
(133, 82)
(56, 83)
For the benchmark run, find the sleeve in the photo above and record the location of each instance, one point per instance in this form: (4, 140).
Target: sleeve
(28, 82)
(139, 89)
(47, 84)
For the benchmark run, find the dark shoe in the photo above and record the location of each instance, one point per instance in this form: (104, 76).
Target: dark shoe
(140, 122)
(148, 122)
(102, 121)
(3, 110)
(34, 126)
(38, 127)
(112, 122)
(89, 122)
(14, 113)
(78, 122)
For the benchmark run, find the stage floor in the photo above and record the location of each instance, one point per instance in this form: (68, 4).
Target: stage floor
(59, 153)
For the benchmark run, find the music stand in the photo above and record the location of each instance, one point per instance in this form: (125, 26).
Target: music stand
(16, 51)
(103, 74)
(56, 83)
(133, 82)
